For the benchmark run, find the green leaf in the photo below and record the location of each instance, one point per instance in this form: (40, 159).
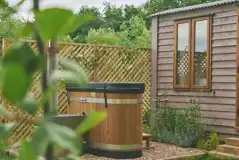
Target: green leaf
(72, 157)
(3, 146)
(93, 118)
(26, 151)
(63, 136)
(47, 95)
(80, 20)
(16, 83)
(41, 158)
(77, 70)
(1, 77)
(29, 105)
(4, 112)
(64, 20)
(40, 140)
(23, 55)
(6, 129)
(25, 31)
(66, 76)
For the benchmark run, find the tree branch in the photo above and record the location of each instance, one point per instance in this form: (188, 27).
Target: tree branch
(49, 153)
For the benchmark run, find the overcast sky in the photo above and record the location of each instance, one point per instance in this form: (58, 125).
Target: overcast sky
(72, 4)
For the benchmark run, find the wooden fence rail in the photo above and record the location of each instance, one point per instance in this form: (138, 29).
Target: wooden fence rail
(101, 63)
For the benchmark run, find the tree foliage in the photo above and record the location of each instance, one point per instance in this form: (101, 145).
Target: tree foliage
(103, 36)
(109, 21)
(116, 21)
(135, 32)
(132, 33)
(153, 6)
(80, 33)
(9, 25)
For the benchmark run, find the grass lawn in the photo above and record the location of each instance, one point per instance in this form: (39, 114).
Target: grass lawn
(208, 157)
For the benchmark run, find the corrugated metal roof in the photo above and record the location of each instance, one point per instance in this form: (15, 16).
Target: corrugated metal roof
(194, 7)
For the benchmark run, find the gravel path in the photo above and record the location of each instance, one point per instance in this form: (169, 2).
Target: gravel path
(158, 151)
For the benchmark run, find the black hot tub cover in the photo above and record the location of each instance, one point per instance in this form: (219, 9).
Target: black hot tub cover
(107, 87)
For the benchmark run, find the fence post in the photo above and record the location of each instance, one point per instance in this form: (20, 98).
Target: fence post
(154, 69)
(52, 66)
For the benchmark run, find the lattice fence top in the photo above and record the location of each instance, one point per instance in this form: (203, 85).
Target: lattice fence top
(101, 63)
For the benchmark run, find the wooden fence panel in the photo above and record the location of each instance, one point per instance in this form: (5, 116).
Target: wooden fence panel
(101, 63)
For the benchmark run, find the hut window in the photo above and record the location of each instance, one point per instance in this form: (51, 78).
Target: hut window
(192, 52)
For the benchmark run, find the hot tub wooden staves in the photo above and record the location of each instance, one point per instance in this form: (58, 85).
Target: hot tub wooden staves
(120, 134)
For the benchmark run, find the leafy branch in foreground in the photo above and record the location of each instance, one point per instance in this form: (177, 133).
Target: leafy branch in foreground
(18, 67)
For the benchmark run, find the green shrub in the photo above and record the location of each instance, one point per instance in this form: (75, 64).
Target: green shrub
(210, 143)
(182, 127)
(146, 120)
(210, 157)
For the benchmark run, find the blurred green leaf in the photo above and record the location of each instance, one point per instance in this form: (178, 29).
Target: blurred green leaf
(3, 146)
(72, 157)
(66, 76)
(77, 70)
(25, 152)
(80, 20)
(93, 118)
(1, 77)
(29, 105)
(64, 20)
(25, 31)
(48, 132)
(40, 140)
(23, 55)
(16, 83)
(6, 129)
(63, 136)
(41, 158)
(47, 95)
(4, 112)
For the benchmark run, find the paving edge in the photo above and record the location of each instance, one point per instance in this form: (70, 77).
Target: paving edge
(189, 156)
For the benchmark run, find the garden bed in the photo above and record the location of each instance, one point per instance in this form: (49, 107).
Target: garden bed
(158, 151)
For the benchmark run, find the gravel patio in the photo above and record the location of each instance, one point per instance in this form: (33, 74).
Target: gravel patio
(158, 151)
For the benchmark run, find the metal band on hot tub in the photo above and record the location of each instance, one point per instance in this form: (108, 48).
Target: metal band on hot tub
(116, 147)
(102, 100)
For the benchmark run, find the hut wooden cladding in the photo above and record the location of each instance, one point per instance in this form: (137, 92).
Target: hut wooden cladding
(195, 53)
(102, 63)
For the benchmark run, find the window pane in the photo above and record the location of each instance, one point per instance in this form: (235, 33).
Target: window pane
(200, 53)
(182, 54)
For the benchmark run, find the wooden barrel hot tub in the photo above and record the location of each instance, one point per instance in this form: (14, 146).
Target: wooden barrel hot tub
(120, 134)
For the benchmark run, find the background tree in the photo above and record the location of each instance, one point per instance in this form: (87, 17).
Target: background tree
(9, 25)
(106, 27)
(152, 6)
(135, 32)
(80, 33)
(113, 16)
(103, 36)
(132, 33)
